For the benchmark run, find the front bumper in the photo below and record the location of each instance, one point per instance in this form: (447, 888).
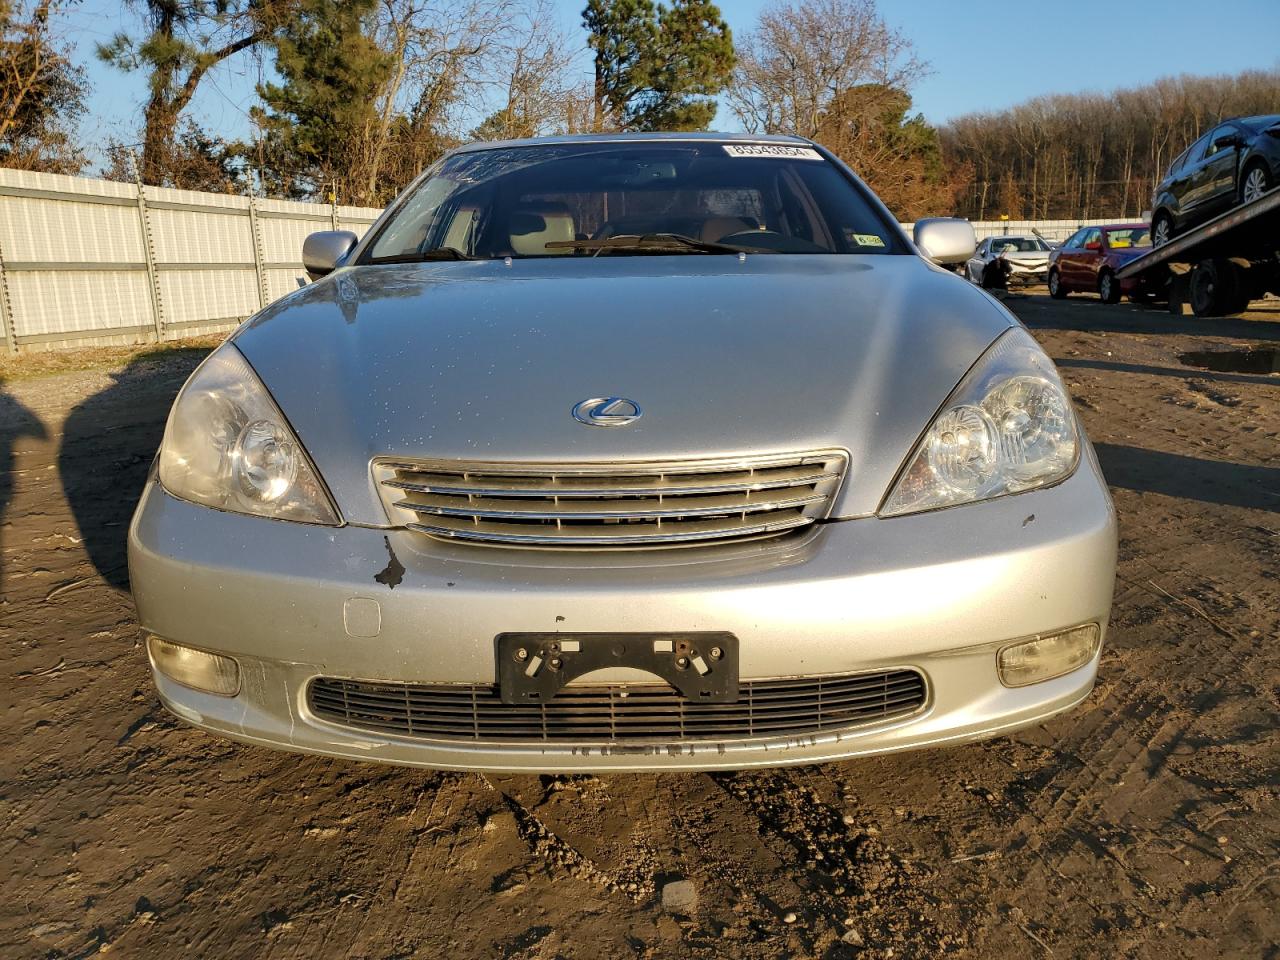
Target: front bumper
(1020, 273)
(939, 592)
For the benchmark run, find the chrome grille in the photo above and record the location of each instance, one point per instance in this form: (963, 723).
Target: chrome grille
(617, 713)
(610, 505)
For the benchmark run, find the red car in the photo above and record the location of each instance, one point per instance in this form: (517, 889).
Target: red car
(1087, 263)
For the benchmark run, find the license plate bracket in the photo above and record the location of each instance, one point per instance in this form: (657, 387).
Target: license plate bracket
(534, 667)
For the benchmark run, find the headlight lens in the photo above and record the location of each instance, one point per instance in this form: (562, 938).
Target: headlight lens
(226, 445)
(1008, 427)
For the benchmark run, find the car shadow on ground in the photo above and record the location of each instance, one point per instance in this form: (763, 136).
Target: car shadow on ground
(1187, 373)
(1041, 313)
(16, 422)
(109, 442)
(1192, 478)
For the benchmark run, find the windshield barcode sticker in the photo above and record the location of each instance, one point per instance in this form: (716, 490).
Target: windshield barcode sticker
(772, 151)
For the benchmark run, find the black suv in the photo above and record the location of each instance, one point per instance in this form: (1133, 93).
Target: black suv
(1235, 162)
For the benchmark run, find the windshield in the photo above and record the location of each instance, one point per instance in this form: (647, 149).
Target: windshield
(563, 200)
(1018, 245)
(1123, 239)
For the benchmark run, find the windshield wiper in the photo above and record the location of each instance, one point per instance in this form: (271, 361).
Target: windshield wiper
(649, 241)
(436, 253)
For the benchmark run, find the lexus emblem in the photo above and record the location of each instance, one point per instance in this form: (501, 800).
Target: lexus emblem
(607, 412)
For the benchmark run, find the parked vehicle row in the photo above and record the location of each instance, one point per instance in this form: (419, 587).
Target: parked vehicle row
(1234, 164)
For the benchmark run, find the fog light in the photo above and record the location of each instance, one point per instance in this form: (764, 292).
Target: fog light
(207, 672)
(1048, 656)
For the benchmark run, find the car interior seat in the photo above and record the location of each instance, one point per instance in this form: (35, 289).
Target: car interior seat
(533, 226)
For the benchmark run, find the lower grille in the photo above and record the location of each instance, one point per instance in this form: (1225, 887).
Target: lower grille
(614, 713)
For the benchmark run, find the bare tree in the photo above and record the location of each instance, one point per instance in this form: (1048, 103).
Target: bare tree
(197, 160)
(532, 74)
(804, 54)
(374, 92)
(41, 92)
(834, 71)
(439, 53)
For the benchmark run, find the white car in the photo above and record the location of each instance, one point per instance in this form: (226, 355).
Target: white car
(999, 261)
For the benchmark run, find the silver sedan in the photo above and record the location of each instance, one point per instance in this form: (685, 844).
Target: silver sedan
(631, 453)
(1000, 261)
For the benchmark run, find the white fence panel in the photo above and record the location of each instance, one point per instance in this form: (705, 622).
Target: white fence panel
(42, 228)
(56, 308)
(1056, 230)
(89, 262)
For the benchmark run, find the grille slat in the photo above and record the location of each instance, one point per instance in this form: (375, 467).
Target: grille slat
(610, 506)
(563, 534)
(642, 509)
(602, 713)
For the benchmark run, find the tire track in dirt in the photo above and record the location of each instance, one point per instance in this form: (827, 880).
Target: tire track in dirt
(558, 854)
(851, 872)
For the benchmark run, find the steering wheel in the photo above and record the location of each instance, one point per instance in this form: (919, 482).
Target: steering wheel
(772, 240)
(744, 236)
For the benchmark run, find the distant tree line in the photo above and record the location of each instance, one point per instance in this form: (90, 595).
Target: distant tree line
(364, 94)
(1090, 154)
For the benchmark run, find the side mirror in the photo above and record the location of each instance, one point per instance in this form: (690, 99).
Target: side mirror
(321, 252)
(945, 240)
(1229, 141)
(1093, 245)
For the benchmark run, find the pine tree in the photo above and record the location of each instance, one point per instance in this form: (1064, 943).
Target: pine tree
(181, 43)
(657, 67)
(319, 122)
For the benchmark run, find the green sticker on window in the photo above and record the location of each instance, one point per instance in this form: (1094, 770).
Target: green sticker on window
(867, 240)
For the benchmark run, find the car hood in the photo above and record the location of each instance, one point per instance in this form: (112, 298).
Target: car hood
(483, 361)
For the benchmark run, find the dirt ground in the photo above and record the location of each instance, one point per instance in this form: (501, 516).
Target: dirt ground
(1143, 824)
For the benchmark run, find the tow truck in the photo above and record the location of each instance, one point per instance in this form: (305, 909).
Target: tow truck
(1221, 265)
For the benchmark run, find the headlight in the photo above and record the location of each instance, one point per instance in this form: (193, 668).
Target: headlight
(226, 445)
(1008, 427)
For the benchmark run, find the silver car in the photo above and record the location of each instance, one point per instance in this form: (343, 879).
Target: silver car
(1000, 261)
(631, 453)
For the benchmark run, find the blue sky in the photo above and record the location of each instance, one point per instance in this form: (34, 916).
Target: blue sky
(982, 55)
